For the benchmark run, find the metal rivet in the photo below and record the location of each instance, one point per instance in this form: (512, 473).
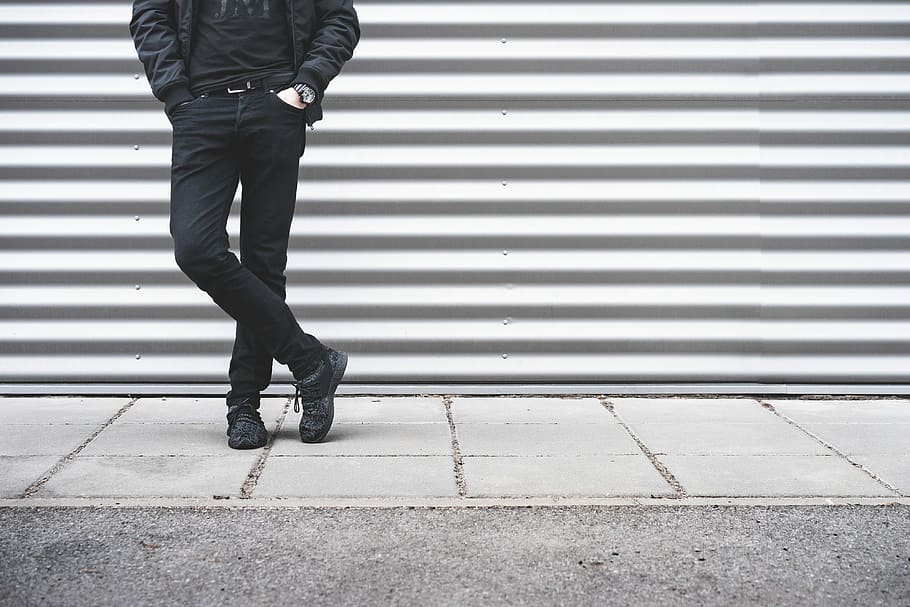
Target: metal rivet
(504, 112)
(138, 287)
(138, 356)
(503, 40)
(136, 147)
(505, 252)
(137, 218)
(505, 355)
(505, 183)
(135, 76)
(505, 321)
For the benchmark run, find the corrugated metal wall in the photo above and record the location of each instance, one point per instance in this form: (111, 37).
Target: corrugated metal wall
(500, 191)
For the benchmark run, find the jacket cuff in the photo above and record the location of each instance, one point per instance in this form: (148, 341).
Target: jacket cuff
(176, 94)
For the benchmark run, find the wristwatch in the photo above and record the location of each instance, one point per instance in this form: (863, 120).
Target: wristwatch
(307, 94)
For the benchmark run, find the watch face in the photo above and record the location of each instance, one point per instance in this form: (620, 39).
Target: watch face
(307, 95)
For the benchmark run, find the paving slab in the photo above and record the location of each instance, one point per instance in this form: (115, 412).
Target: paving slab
(58, 409)
(544, 439)
(388, 409)
(869, 439)
(615, 475)
(893, 469)
(369, 439)
(289, 476)
(43, 439)
(514, 447)
(776, 437)
(18, 473)
(189, 410)
(160, 439)
(844, 411)
(679, 410)
(151, 476)
(771, 475)
(529, 410)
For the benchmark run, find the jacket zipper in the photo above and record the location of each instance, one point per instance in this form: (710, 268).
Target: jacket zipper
(290, 11)
(189, 32)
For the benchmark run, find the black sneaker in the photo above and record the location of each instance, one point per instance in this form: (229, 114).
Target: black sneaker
(245, 427)
(316, 395)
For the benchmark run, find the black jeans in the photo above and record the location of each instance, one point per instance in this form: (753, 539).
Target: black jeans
(257, 139)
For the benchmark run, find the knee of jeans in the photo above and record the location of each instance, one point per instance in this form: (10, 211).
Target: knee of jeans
(194, 260)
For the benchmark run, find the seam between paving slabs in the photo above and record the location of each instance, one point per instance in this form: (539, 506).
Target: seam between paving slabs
(34, 487)
(659, 465)
(285, 503)
(768, 406)
(458, 465)
(252, 479)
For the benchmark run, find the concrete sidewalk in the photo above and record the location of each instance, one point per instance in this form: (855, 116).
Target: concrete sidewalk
(460, 450)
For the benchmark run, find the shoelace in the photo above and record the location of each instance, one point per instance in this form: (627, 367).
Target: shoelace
(303, 392)
(247, 414)
(308, 387)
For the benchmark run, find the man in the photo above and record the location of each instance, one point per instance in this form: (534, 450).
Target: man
(241, 80)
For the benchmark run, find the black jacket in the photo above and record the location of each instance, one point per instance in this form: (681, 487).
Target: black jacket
(323, 36)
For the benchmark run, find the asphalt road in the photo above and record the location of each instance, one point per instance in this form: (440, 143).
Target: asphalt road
(580, 555)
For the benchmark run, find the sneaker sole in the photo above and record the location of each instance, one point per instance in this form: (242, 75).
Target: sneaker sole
(337, 374)
(242, 445)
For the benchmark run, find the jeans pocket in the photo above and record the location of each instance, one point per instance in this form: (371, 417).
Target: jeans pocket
(187, 104)
(287, 106)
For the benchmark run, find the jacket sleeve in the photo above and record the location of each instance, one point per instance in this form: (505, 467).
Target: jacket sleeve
(337, 33)
(155, 37)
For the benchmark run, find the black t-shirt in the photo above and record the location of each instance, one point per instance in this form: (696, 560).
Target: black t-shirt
(239, 40)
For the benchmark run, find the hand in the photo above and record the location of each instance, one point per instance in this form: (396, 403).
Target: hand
(290, 96)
